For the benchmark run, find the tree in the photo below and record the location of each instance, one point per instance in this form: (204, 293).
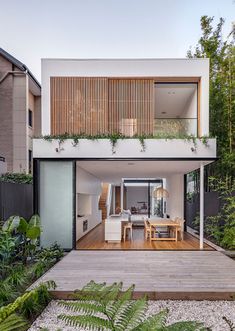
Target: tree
(222, 90)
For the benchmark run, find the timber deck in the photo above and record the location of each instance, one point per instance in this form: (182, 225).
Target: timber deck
(193, 275)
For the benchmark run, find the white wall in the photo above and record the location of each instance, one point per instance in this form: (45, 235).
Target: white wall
(90, 188)
(126, 68)
(175, 202)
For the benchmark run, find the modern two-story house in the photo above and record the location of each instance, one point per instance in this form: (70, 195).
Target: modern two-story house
(120, 135)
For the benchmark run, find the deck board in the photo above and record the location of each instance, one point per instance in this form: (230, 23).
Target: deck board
(160, 274)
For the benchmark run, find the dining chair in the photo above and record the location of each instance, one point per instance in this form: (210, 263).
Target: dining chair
(147, 229)
(127, 227)
(180, 229)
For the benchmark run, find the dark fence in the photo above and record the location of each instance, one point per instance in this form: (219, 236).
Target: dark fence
(212, 206)
(16, 199)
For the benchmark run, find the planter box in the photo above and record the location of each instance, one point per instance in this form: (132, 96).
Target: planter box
(125, 148)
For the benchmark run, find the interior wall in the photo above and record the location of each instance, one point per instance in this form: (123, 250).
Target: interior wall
(88, 189)
(135, 194)
(175, 202)
(190, 109)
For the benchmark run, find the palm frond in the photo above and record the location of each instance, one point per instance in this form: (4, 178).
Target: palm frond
(153, 323)
(88, 308)
(91, 322)
(14, 322)
(186, 326)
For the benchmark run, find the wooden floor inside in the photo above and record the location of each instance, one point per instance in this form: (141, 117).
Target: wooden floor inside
(159, 274)
(95, 240)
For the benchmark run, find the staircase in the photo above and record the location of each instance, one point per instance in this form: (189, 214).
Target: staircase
(103, 199)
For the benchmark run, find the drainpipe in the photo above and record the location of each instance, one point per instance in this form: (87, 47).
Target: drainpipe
(201, 205)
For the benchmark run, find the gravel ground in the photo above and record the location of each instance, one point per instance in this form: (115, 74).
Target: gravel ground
(209, 312)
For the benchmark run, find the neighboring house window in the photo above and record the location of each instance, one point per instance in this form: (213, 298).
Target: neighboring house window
(30, 119)
(30, 160)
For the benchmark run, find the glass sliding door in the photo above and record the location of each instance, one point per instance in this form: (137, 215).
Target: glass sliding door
(140, 199)
(156, 204)
(56, 203)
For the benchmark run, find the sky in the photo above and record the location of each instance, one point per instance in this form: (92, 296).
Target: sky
(35, 29)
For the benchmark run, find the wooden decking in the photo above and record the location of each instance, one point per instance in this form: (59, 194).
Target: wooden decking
(159, 274)
(95, 240)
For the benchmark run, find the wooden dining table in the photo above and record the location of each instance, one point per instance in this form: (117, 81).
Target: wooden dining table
(158, 223)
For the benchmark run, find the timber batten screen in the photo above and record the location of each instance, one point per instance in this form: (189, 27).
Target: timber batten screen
(131, 106)
(79, 105)
(92, 105)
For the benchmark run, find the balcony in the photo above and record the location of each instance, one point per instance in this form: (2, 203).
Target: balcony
(176, 127)
(160, 127)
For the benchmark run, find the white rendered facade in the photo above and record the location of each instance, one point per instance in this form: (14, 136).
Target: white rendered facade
(162, 158)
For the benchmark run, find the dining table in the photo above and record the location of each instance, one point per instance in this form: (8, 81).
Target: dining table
(161, 222)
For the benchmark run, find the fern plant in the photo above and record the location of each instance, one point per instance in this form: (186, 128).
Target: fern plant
(14, 322)
(105, 308)
(28, 305)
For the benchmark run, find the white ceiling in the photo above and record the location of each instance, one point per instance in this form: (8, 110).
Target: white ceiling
(172, 99)
(114, 171)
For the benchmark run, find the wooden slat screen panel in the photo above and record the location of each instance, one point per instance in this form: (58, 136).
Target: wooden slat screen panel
(131, 106)
(79, 105)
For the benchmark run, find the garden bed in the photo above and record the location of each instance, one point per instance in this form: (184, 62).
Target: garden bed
(209, 312)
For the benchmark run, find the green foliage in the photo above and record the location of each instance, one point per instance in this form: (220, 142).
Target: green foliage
(110, 308)
(222, 92)
(7, 247)
(221, 227)
(14, 322)
(17, 178)
(15, 315)
(40, 296)
(26, 234)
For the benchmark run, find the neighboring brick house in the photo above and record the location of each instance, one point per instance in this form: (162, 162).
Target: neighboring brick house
(20, 113)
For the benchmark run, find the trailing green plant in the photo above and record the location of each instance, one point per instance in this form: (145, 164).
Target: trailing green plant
(26, 233)
(16, 178)
(105, 307)
(114, 137)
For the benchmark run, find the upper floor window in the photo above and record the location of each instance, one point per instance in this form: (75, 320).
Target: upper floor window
(175, 109)
(30, 118)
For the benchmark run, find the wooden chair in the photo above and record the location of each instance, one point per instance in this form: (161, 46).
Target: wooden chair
(127, 227)
(147, 230)
(180, 229)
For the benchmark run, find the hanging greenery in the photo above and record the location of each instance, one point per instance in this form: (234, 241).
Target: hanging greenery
(114, 137)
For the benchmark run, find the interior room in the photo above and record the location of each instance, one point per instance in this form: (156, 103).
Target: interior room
(112, 195)
(175, 108)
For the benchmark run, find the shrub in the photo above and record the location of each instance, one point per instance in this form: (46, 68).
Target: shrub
(16, 178)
